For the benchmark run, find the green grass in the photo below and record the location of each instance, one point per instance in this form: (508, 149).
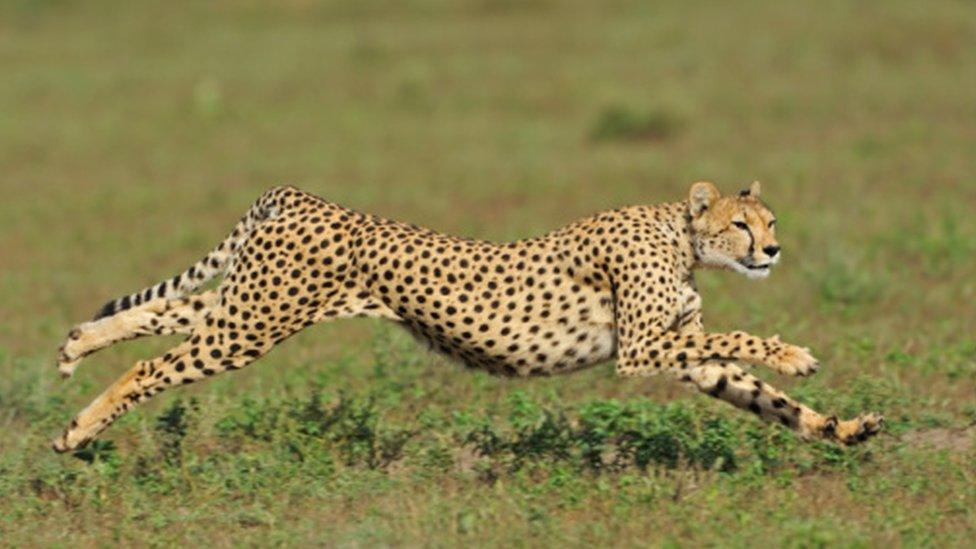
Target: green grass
(134, 135)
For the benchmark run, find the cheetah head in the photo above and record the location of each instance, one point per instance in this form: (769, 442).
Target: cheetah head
(733, 232)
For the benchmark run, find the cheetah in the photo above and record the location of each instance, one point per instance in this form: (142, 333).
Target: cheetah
(616, 285)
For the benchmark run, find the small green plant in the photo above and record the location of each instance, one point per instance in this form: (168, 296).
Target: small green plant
(98, 451)
(171, 428)
(351, 426)
(356, 430)
(608, 436)
(618, 123)
(253, 419)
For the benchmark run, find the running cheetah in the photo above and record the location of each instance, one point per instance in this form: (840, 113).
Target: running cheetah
(619, 284)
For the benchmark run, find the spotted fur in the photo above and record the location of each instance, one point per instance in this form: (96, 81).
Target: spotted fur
(619, 284)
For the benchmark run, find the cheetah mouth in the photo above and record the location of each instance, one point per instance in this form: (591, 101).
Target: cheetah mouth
(754, 270)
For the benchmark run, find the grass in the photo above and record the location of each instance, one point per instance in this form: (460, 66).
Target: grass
(135, 134)
(623, 124)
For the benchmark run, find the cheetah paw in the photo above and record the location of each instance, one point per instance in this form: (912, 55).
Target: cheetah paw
(793, 361)
(67, 367)
(853, 431)
(70, 440)
(67, 359)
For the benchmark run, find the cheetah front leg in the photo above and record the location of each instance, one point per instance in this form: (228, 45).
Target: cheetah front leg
(707, 361)
(782, 357)
(690, 347)
(728, 382)
(743, 390)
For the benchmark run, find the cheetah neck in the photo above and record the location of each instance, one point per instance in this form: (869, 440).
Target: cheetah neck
(688, 257)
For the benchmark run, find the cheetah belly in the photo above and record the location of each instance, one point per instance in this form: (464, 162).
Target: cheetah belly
(578, 336)
(555, 349)
(573, 349)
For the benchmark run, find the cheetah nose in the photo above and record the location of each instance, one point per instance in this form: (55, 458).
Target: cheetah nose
(771, 251)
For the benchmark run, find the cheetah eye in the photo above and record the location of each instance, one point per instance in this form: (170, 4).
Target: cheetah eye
(741, 224)
(771, 223)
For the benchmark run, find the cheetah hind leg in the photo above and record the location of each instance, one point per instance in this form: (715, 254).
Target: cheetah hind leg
(156, 317)
(186, 363)
(190, 362)
(743, 390)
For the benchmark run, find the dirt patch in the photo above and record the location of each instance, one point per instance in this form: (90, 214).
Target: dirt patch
(467, 459)
(955, 440)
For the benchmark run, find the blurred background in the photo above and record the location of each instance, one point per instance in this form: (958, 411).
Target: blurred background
(134, 134)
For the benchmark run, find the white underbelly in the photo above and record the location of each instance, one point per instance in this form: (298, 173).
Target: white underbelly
(587, 345)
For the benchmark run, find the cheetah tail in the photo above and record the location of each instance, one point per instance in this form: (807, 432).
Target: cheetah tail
(213, 264)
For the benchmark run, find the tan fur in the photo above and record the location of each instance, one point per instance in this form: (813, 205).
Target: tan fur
(619, 284)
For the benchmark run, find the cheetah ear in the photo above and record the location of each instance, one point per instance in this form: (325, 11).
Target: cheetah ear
(702, 195)
(753, 190)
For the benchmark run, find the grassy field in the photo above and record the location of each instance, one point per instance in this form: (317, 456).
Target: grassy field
(133, 135)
